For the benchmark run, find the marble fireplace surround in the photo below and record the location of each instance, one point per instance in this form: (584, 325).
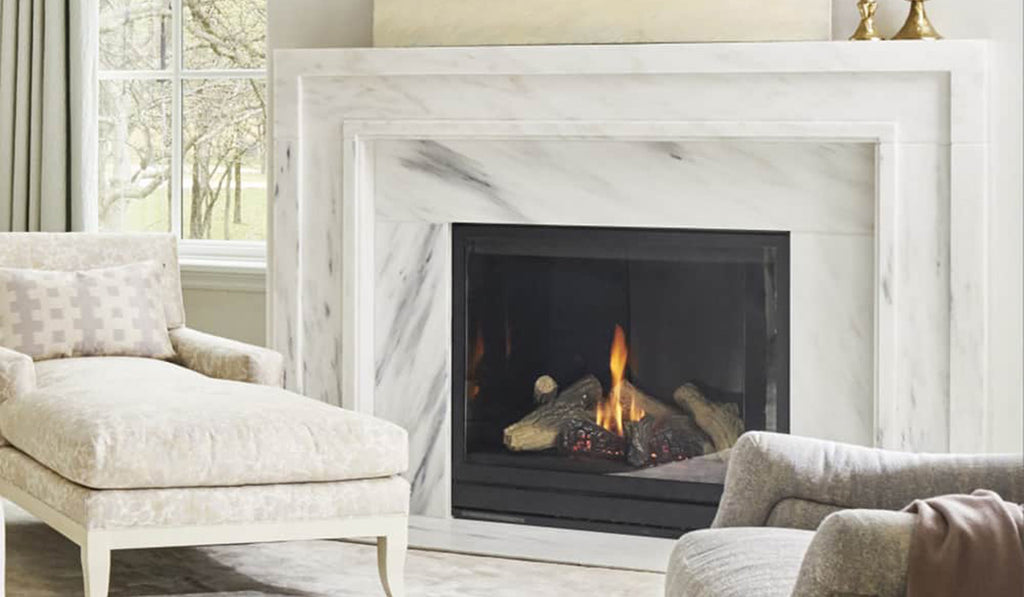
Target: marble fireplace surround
(876, 150)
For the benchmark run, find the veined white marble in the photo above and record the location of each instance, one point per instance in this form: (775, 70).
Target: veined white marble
(566, 546)
(871, 155)
(811, 187)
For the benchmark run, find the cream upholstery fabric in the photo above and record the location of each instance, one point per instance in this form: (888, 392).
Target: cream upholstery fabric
(768, 469)
(17, 374)
(227, 359)
(785, 481)
(111, 509)
(858, 552)
(81, 251)
(120, 422)
(795, 513)
(105, 311)
(756, 562)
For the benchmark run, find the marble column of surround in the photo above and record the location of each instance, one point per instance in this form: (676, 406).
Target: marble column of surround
(933, 99)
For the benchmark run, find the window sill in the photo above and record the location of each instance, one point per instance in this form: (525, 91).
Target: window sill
(221, 274)
(223, 265)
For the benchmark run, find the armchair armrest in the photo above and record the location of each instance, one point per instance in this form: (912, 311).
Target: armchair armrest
(784, 480)
(218, 357)
(17, 374)
(858, 552)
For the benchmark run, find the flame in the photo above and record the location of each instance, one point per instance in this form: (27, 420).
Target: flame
(474, 362)
(610, 410)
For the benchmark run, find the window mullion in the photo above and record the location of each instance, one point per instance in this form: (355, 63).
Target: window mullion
(234, 73)
(176, 119)
(133, 75)
(171, 75)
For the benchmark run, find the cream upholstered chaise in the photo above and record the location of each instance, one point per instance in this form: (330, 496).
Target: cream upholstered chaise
(117, 452)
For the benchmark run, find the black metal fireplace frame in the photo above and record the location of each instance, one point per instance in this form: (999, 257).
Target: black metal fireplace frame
(579, 500)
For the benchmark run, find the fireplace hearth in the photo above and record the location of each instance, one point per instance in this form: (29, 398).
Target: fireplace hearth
(602, 375)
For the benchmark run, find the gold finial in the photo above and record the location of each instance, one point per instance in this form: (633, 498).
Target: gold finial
(866, 30)
(917, 26)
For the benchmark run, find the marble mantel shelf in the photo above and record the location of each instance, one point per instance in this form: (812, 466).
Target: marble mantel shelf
(965, 60)
(773, 57)
(339, 113)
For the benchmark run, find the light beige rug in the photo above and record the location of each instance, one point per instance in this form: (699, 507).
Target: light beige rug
(41, 563)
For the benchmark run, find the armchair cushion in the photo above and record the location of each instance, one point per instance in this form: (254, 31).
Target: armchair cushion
(128, 423)
(227, 359)
(740, 562)
(858, 552)
(17, 374)
(797, 481)
(108, 311)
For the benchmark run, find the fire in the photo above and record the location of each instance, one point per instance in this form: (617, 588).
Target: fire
(474, 362)
(610, 412)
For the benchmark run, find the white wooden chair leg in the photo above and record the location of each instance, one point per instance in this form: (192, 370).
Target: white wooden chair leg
(96, 569)
(391, 549)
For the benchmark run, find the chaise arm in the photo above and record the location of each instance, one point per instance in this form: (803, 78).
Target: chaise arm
(17, 374)
(788, 481)
(858, 552)
(218, 357)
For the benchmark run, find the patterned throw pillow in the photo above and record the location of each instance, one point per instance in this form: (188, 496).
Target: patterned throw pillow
(102, 312)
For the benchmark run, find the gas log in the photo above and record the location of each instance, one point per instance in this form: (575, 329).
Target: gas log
(693, 426)
(659, 440)
(539, 430)
(721, 422)
(545, 389)
(650, 406)
(586, 438)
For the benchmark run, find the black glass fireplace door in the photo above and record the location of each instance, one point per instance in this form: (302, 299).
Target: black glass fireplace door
(600, 375)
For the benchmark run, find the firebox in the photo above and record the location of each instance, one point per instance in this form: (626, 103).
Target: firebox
(602, 375)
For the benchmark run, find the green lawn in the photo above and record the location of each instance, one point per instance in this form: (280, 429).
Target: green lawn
(151, 213)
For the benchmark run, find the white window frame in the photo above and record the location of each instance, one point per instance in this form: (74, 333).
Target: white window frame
(204, 255)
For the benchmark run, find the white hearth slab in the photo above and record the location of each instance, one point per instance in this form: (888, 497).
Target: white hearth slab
(872, 157)
(564, 546)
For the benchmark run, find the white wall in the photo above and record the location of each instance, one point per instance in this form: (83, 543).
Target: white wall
(240, 315)
(319, 23)
(334, 23)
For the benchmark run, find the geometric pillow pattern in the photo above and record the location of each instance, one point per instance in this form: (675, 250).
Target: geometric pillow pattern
(102, 312)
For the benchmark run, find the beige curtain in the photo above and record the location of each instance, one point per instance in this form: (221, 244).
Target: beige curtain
(35, 116)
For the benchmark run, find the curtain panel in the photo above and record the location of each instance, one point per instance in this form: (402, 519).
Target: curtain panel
(44, 115)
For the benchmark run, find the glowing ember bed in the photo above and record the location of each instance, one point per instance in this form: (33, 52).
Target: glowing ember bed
(601, 375)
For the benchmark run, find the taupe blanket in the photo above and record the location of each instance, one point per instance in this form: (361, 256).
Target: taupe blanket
(966, 545)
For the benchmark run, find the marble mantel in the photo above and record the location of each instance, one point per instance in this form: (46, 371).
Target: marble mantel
(873, 157)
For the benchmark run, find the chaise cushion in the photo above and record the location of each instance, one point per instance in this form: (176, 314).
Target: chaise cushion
(202, 506)
(737, 562)
(130, 423)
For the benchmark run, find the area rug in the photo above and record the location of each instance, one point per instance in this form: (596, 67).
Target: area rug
(42, 563)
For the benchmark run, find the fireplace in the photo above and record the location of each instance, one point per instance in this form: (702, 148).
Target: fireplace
(601, 375)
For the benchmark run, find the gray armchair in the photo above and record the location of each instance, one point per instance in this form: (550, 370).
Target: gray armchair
(806, 517)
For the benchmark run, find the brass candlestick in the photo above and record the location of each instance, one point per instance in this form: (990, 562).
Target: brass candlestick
(917, 26)
(866, 30)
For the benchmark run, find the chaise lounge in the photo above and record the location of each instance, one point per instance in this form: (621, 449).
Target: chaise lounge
(203, 446)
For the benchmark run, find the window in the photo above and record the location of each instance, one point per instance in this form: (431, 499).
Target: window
(182, 115)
